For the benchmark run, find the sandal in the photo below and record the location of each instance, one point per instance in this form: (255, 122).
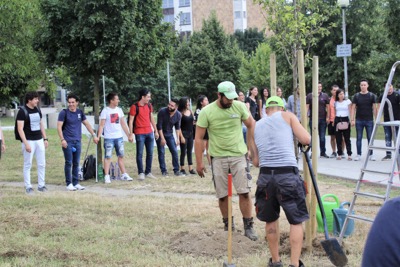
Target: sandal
(338, 157)
(349, 158)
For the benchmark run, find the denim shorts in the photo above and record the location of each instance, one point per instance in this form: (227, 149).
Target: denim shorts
(281, 190)
(109, 145)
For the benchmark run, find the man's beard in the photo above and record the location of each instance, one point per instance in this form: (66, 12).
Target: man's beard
(171, 110)
(223, 105)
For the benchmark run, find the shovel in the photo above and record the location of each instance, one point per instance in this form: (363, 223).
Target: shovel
(330, 245)
(229, 263)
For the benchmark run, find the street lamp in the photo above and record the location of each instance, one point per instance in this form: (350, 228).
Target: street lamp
(344, 4)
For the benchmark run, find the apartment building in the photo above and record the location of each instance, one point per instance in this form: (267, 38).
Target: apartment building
(188, 15)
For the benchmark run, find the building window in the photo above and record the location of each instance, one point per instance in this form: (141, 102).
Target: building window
(167, 3)
(184, 19)
(237, 14)
(244, 14)
(169, 19)
(183, 3)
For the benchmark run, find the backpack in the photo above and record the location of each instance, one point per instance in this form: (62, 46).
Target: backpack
(65, 117)
(89, 167)
(137, 113)
(371, 96)
(16, 133)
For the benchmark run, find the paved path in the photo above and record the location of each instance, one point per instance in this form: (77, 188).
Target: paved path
(351, 169)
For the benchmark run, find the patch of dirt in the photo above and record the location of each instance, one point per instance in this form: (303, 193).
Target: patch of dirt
(214, 244)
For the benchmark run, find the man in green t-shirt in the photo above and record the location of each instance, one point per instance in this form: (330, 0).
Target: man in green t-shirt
(223, 120)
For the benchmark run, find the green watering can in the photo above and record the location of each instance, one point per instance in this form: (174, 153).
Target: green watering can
(339, 215)
(328, 207)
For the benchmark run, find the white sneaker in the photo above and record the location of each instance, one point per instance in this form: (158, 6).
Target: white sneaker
(79, 187)
(141, 176)
(126, 177)
(357, 158)
(150, 175)
(70, 187)
(372, 158)
(107, 179)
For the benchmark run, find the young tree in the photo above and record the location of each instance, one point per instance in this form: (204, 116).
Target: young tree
(296, 25)
(206, 59)
(255, 70)
(114, 37)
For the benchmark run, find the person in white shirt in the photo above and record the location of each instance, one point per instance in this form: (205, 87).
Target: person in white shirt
(113, 123)
(342, 124)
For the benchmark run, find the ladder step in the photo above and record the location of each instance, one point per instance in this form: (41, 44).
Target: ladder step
(358, 217)
(389, 123)
(370, 195)
(382, 148)
(375, 171)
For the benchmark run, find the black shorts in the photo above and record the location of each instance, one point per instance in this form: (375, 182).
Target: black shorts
(331, 129)
(284, 190)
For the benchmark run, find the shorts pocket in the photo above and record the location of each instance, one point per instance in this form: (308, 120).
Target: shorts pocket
(290, 188)
(260, 202)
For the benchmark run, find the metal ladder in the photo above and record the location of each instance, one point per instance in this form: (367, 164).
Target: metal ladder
(364, 170)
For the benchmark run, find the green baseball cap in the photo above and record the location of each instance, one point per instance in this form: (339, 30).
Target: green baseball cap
(228, 89)
(278, 102)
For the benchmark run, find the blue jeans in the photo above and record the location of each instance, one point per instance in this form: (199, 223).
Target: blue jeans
(388, 137)
(141, 141)
(72, 161)
(360, 125)
(174, 153)
(321, 132)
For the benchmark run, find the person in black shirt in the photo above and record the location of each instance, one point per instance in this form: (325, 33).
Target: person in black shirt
(394, 99)
(186, 135)
(252, 100)
(202, 101)
(33, 140)
(362, 115)
(323, 117)
(167, 119)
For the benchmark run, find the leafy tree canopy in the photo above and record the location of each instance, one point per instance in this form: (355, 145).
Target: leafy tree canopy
(249, 39)
(255, 70)
(206, 59)
(20, 66)
(119, 37)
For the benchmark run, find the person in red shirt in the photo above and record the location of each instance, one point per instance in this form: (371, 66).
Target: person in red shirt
(143, 125)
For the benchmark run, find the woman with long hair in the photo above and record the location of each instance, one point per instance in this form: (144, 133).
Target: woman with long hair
(279, 93)
(186, 137)
(252, 100)
(342, 109)
(261, 102)
(202, 101)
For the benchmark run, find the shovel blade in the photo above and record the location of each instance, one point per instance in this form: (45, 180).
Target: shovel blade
(334, 252)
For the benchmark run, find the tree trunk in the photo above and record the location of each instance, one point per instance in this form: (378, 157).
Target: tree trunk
(96, 110)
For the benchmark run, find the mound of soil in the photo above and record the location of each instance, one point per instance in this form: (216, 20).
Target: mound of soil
(214, 244)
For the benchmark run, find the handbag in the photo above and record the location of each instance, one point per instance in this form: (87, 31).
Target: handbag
(343, 125)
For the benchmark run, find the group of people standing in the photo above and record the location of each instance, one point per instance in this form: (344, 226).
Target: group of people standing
(216, 128)
(338, 115)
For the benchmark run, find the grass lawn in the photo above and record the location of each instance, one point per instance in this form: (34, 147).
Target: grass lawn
(162, 222)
